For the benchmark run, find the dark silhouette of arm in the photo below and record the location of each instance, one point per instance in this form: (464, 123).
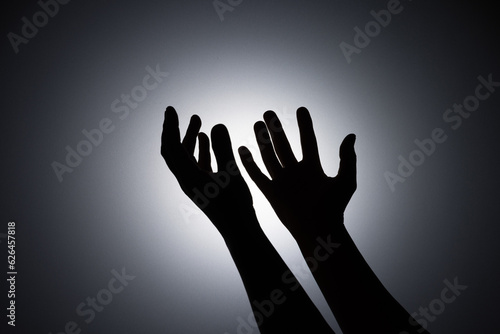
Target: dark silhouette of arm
(278, 307)
(311, 205)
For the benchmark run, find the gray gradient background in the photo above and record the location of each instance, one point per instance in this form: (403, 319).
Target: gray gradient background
(123, 208)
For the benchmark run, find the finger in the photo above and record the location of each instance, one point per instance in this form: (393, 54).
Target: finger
(170, 134)
(280, 142)
(172, 150)
(266, 148)
(204, 152)
(221, 144)
(261, 180)
(189, 141)
(307, 136)
(347, 167)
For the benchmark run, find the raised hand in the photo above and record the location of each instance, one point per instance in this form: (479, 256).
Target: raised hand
(279, 306)
(306, 200)
(223, 195)
(311, 205)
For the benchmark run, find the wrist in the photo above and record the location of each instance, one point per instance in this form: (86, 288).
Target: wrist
(239, 227)
(322, 226)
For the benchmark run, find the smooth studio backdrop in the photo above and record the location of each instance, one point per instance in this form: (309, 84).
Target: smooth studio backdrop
(112, 225)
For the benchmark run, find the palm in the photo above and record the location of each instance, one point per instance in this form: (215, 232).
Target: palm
(299, 191)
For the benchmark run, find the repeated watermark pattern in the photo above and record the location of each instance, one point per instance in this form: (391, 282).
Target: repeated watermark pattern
(121, 107)
(222, 6)
(210, 190)
(265, 308)
(39, 19)
(88, 308)
(437, 306)
(363, 37)
(454, 118)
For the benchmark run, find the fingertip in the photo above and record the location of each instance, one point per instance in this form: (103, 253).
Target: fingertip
(196, 120)
(302, 111)
(259, 125)
(246, 157)
(303, 115)
(243, 150)
(347, 146)
(170, 113)
(202, 136)
(352, 138)
(272, 121)
(170, 120)
(220, 137)
(269, 115)
(218, 130)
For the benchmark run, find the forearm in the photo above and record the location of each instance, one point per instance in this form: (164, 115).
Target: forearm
(279, 303)
(358, 299)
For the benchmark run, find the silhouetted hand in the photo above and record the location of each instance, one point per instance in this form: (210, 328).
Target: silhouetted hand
(302, 195)
(223, 195)
(311, 205)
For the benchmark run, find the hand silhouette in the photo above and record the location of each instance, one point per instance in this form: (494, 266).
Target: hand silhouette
(223, 195)
(302, 195)
(225, 198)
(308, 202)
(311, 205)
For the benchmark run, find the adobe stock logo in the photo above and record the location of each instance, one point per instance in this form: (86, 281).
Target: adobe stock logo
(122, 107)
(29, 30)
(212, 189)
(264, 309)
(454, 117)
(202, 195)
(88, 308)
(221, 7)
(372, 29)
(221, 179)
(437, 306)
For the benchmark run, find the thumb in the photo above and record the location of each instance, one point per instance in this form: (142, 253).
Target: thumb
(347, 167)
